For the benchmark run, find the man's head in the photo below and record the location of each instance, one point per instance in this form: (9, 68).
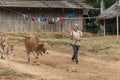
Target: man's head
(75, 27)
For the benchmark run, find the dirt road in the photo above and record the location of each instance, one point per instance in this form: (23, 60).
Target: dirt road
(58, 66)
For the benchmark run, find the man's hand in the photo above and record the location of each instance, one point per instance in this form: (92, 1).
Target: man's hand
(79, 39)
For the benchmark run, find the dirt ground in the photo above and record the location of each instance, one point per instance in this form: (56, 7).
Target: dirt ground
(57, 66)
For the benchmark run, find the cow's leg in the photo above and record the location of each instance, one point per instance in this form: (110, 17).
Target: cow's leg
(35, 55)
(40, 52)
(10, 51)
(7, 52)
(47, 52)
(11, 55)
(28, 56)
(3, 56)
(37, 58)
(3, 53)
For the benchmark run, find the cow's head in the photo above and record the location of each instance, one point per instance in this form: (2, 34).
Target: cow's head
(40, 48)
(43, 47)
(12, 47)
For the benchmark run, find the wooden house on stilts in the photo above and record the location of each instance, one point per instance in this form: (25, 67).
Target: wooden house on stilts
(41, 15)
(109, 20)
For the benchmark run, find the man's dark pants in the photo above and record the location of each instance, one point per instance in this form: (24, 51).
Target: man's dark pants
(75, 55)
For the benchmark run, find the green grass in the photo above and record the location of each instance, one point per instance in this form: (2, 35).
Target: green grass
(97, 46)
(101, 46)
(89, 44)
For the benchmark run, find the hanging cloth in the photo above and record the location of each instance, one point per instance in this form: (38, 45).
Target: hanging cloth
(43, 19)
(39, 20)
(33, 18)
(51, 21)
(57, 19)
(25, 17)
(70, 15)
(61, 20)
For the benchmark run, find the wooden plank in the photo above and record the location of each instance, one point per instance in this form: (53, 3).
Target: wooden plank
(117, 26)
(104, 28)
(119, 2)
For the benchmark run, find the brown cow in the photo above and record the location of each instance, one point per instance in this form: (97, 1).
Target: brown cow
(33, 45)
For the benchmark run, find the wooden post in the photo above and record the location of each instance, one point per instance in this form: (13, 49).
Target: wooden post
(61, 27)
(119, 2)
(117, 26)
(104, 28)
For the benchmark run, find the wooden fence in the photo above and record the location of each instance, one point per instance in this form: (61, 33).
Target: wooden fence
(28, 25)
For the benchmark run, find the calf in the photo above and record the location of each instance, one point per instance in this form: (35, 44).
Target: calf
(33, 45)
(3, 40)
(5, 48)
(8, 51)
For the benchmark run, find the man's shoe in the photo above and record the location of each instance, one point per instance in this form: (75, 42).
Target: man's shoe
(72, 60)
(76, 62)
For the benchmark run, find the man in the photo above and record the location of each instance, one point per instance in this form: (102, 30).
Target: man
(76, 37)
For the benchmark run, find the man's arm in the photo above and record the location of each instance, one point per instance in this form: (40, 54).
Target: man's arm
(81, 36)
(71, 35)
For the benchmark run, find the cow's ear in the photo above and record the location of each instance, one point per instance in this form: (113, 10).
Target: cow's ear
(28, 37)
(6, 38)
(41, 44)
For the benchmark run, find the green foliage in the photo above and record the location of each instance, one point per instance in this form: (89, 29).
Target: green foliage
(108, 3)
(96, 4)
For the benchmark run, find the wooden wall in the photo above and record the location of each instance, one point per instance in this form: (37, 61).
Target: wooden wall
(12, 19)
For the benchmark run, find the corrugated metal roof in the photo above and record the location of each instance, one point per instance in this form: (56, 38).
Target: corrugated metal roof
(85, 5)
(56, 4)
(23, 4)
(70, 5)
(111, 12)
(45, 3)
